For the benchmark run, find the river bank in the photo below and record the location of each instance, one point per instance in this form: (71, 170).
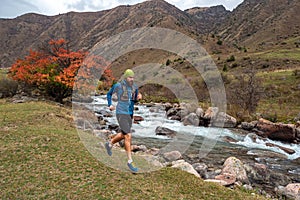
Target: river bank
(273, 168)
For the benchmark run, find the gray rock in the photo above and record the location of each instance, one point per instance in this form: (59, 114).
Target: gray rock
(191, 119)
(172, 156)
(165, 131)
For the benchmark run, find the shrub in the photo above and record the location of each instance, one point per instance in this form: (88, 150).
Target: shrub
(296, 73)
(219, 42)
(246, 91)
(8, 87)
(168, 62)
(231, 58)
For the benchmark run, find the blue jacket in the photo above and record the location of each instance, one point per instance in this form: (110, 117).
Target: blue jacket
(127, 97)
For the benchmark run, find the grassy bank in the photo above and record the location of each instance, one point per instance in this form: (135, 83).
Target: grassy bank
(282, 100)
(42, 157)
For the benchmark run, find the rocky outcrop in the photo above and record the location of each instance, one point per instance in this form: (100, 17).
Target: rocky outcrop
(276, 131)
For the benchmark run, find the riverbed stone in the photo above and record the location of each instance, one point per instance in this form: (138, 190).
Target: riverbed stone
(276, 131)
(138, 119)
(211, 113)
(199, 112)
(226, 178)
(165, 132)
(248, 126)
(171, 112)
(285, 149)
(201, 168)
(224, 120)
(293, 190)
(172, 156)
(185, 166)
(191, 119)
(182, 113)
(234, 166)
(260, 174)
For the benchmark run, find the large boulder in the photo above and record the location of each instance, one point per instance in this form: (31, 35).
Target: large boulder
(211, 113)
(224, 120)
(191, 119)
(199, 112)
(260, 174)
(172, 156)
(183, 112)
(292, 190)
(201, 168)
(234, 167)
(226, 179)
(248, 126)
(171, 112)
(185, 166)
(276, 131)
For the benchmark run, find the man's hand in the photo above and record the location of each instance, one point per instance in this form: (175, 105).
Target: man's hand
(139, 96)
(111, 108)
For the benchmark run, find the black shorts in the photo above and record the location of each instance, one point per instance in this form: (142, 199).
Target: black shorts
(125, 123)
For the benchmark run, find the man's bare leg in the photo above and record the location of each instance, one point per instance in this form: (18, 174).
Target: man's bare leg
(117, 138)
(128, 146)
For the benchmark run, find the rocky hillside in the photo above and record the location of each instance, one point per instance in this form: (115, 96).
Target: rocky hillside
(84, 30)
(263, 23)
(256, 24)
(209, 18)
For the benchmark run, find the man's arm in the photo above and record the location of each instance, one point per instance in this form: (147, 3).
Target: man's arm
(137, 96)
(109, 95)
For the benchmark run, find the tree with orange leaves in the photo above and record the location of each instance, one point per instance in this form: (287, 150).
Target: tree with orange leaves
(54, 69)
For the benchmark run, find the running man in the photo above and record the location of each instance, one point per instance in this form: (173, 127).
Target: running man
(127, 94)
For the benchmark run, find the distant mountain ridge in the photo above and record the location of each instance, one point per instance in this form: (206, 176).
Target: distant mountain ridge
(253, 23)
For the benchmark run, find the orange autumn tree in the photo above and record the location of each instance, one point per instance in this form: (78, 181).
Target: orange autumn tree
(53, 69)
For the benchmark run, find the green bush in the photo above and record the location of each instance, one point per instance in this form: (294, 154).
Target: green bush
(8, 87)
(296, 73)
(231, 58)
(219, 42)
(168, 62)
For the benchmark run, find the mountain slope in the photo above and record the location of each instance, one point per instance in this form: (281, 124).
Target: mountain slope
(84, 30)
(262, 23)
(209, 18)
(256, 25)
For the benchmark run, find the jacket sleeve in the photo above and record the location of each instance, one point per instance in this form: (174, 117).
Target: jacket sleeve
(135, 95)
(110, 93)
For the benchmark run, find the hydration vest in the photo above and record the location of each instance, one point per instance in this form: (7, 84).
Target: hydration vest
(124, 96)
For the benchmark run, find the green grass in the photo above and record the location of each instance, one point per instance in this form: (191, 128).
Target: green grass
(3, 73)
(293, 54)
(284, 100)
(42, 157)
